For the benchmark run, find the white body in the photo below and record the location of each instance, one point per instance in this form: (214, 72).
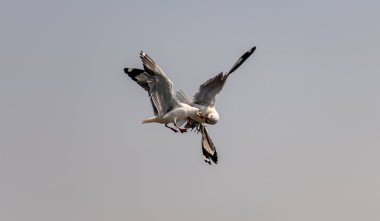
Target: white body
(181, 113)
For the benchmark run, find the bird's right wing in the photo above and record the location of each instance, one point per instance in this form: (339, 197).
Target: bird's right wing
(160, 86)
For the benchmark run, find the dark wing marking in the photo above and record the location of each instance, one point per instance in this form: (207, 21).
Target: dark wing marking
(208, 148)
(141, 77)
(241, 60)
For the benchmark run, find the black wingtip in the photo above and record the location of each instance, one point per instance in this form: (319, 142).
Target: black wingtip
(208, 161)
(208, 157)
(250, 52)
(133, 72)
(126, 70)
(241, 60)
(214, 158)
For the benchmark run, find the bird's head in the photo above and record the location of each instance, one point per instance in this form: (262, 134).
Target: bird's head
(212, 118)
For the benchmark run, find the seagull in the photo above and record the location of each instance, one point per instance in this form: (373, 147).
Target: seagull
(166, 107)
(204, 98)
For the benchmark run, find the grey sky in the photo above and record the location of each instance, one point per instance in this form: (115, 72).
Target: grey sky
(299, 132)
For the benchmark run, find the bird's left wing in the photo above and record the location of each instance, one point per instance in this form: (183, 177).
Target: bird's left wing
(207, 92)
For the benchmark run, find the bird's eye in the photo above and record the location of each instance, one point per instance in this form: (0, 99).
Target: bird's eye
(199, 113)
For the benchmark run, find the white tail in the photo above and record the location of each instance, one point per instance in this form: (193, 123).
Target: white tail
(150, 120)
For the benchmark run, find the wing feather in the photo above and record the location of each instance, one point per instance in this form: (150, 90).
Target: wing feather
(182, 97)
(207, 91)
(160, 86)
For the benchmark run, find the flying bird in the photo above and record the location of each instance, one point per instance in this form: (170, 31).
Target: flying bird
(163, 99)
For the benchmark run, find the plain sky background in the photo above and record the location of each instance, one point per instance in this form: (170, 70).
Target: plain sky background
(298, 138)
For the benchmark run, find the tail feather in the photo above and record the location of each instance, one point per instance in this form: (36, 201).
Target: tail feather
(150, 120)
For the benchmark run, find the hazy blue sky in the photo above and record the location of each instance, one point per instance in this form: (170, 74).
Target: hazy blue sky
(298, 139)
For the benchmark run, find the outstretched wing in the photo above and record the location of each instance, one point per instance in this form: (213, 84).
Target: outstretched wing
(208, 148)
(160, 86)
(141, 77)
(207, 91)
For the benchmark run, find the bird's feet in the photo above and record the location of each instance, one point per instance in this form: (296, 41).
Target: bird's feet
(174, 130)
(182, 130)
